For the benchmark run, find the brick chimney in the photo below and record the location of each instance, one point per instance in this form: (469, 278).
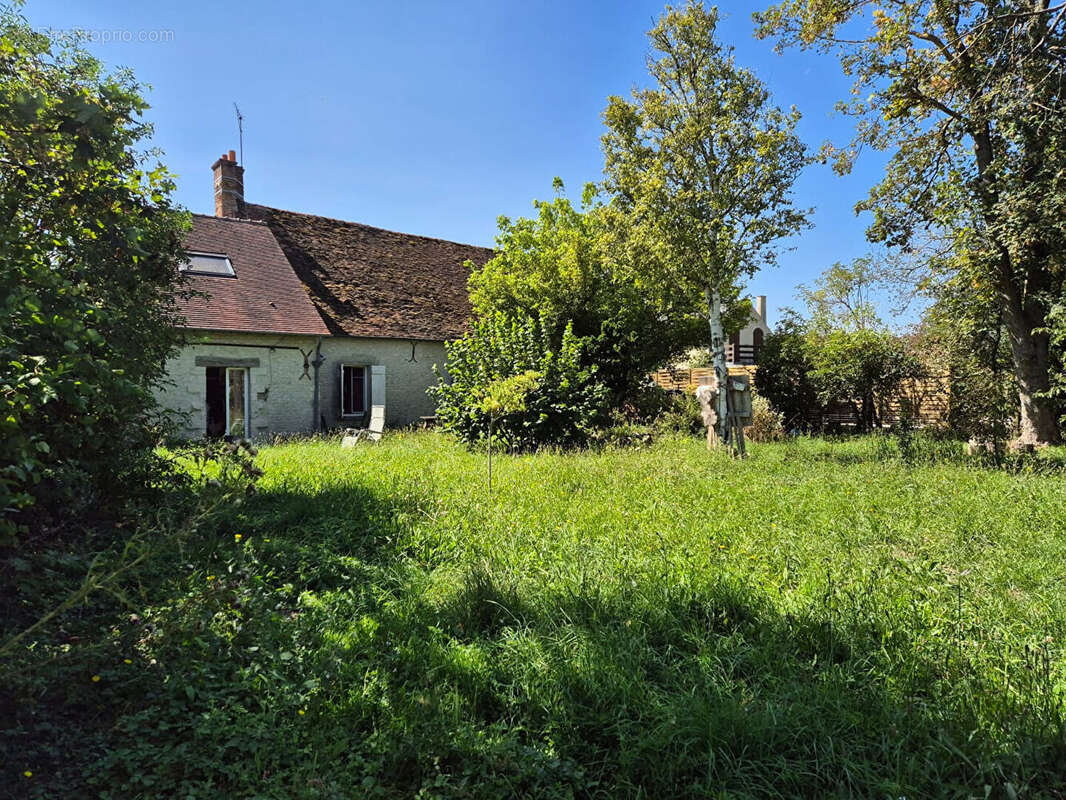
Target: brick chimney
(229, 186)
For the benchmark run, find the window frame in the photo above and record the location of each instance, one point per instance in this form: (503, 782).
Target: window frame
(190, 271)
(366, 386)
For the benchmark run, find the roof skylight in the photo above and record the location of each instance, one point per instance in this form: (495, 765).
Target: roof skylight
(208, 264)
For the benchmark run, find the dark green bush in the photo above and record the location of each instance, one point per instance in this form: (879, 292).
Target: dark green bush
(783, 376)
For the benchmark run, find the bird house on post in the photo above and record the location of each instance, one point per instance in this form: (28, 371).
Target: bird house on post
(738, 401)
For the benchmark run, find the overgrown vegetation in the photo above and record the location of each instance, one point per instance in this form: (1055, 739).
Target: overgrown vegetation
(823, 619)
(696, 196)
(840, 354)
(968, 98)
(699, 167)
(562, 400)
(874, 617)
(557, 268)
(89, 249)
(554, 301)
(966, 341)
(784, 375)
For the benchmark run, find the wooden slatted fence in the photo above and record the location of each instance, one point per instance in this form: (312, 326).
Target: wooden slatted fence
(926, 401)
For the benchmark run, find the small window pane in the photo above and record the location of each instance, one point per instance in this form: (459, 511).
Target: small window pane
(353, 385)
(208, 264)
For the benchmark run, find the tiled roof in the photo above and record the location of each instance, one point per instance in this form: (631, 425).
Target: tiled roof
(264, 297)
(372, 282)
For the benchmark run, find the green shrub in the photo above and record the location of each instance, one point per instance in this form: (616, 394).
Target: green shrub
(858, 367)
(700, 358)
(562, 406)
(681, 414)
(89, 249)
(767, 425)
(649, 415)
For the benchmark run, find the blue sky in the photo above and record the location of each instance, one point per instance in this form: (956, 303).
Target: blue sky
(435, 117)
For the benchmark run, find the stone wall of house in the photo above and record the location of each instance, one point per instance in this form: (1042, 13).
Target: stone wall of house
(281, 397)
(408, 374)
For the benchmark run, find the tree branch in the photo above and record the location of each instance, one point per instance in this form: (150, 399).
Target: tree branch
(916, 94)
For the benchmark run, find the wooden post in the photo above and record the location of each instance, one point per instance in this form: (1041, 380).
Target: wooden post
(738, 437)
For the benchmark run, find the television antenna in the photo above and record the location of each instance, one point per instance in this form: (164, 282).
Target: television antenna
(240, 130)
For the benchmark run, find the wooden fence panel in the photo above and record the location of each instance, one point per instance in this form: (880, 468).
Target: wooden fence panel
(926, 401)
(686, 380)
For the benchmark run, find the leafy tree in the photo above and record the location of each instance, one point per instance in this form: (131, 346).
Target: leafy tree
(89, 249)
(700, 170)
(859, 366)
(842, 353)
(554, 267)
(843, 297)
(784, 374)
(507, 379)
(506, 396)
(969, 97)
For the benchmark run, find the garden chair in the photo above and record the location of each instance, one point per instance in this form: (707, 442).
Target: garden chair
(372, 432)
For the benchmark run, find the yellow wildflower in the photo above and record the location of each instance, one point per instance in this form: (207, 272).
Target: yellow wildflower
(236, 537)
(28, 774)
(127, 661)
(300, 712)
(96, 678)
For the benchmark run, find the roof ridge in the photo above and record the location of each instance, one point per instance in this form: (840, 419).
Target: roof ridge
(229, 219)
(371, 227)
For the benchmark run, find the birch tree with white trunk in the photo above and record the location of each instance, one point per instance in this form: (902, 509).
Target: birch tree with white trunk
(700, 168)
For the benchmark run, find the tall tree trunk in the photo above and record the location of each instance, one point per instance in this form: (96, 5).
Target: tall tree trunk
(1021, 315)
(1032, 367)
(721, 370)
(869, 413)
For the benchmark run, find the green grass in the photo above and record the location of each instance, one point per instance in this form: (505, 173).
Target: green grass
(648, 623)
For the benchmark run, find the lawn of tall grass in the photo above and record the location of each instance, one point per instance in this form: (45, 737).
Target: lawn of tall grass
(821, 619)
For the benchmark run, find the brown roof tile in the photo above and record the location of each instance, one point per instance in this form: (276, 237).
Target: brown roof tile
(372, 282)
(264, 297)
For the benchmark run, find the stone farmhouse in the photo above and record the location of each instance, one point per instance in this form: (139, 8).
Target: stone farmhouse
(305, 323)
